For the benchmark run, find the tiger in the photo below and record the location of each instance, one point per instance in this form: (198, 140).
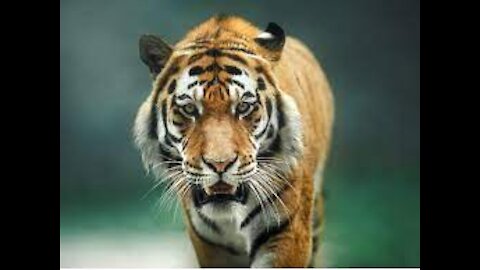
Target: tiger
(238, 127)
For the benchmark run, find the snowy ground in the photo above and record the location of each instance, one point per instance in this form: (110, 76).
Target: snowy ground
(126, 250)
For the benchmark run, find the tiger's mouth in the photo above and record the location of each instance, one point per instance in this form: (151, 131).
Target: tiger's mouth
(219, 193)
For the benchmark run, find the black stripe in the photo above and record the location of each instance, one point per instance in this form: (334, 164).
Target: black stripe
(239, 84)
(235, 58)
(252, 142)
(164, 152)
(251, 215)
(317, 223)
(244, 173)
(314, 251)
(314, 245)
(261, 84)
(263, 131)
(271, 132)
(276, 146)
(265, 235)
(168, 142)
(172, 86)
(269, 108)
(255, 109)
(168, 136)
(216, 53)
(196, 70)
(204, 239)
(213, 53)
(247, 95)
(195, 174)
(210, 223)
(209, 84)
(269, 114)
(258, 208)
(281, 116)
(163, 81)
(164, 120)
(152, 132)
(169, 72)
(178, 124)
(192, 84)
(183, 96)
(164, 114)
(233, 70)
(173, 138)
(185, 142)
(261, 70)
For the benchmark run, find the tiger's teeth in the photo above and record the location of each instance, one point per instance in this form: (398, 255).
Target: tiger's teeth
(220, 188)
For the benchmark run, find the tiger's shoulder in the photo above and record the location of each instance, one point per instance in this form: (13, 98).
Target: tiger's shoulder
(301, 76)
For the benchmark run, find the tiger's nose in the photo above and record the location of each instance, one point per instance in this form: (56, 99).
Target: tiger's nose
(219, 166)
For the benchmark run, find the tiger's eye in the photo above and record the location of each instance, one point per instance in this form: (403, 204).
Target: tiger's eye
(190, 109)
(243, 107)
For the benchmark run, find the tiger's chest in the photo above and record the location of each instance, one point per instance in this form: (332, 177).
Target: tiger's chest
(229, 232)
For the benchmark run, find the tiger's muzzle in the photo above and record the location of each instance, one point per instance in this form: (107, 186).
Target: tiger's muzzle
(219, 193)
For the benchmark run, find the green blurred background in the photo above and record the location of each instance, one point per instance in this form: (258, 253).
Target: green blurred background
(370, 52)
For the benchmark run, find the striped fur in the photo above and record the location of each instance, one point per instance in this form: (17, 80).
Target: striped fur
(258, 102)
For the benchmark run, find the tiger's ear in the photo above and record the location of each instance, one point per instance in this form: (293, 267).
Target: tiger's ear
(154, 52)
(271, 41)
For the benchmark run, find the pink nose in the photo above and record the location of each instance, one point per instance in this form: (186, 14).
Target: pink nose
(219, 166)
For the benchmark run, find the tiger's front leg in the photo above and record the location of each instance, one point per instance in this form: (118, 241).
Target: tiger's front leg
(288, 245)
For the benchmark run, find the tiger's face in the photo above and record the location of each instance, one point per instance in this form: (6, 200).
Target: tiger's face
(216, 126)
(219, 115)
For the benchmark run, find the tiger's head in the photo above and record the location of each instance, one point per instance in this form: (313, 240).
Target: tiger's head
(216, 126)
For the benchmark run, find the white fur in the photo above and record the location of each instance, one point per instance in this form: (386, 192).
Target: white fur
(265, 35)
(147, 146)
(293, 132)
(229, 220)
(264, 259)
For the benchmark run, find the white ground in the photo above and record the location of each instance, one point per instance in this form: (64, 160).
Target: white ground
(126, 250)
(131, 250)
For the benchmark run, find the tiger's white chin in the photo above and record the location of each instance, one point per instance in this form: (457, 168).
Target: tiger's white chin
(229, 211)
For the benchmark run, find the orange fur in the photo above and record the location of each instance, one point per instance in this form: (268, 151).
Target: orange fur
(295, 72)
(298, 74)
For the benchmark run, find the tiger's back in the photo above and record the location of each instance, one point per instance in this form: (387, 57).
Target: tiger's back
(301, 76)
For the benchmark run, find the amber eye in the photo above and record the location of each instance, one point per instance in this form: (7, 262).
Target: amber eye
(243, 107)
(190, 109)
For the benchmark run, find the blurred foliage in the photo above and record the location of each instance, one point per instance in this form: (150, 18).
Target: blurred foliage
(370, 52)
